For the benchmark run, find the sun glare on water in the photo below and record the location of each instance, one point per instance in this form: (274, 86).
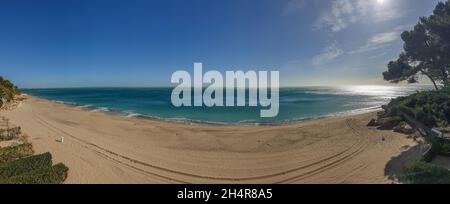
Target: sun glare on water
(370, 90)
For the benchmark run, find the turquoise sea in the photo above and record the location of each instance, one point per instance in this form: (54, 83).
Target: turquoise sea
(296, 104)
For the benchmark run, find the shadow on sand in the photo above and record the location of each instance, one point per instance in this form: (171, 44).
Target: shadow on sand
(395, 168)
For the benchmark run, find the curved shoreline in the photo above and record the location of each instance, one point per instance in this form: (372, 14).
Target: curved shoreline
(106, 110)
(101, 148)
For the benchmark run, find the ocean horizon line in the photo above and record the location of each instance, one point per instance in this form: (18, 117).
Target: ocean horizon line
(281, 87)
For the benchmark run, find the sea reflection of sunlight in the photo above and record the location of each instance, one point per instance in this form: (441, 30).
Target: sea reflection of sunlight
(371, 90)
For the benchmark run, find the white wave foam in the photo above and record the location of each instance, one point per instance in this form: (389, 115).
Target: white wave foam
(64, 102)
(101, 109)
(132, 115)
(85, 106)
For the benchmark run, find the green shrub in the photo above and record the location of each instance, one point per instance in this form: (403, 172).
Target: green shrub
(17, 167)
(441, 147)
(15, 152)
(50, 175)
(444, 149)
(425, 173)
(432, 108)
(7, 89)
(426, 118)
(407, 110)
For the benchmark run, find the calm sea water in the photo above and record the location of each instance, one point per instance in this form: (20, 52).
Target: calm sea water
(295, 103)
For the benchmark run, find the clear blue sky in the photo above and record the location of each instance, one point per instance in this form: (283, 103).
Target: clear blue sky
(72, 43)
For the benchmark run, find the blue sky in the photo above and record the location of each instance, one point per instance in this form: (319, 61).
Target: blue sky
(73, 43)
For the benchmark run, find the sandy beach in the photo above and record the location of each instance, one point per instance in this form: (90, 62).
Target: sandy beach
(102, 148)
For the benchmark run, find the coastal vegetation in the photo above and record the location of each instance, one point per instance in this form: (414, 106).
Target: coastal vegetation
(15, 152)
(33, 170)
(431, 108)
(424, 173)
(18, 165)
(426, 53)
(9, 133)
(47, 175)
(7, 91)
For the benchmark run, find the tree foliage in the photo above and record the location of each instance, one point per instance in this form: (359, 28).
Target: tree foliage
(7, 90)
(432, 108)
(426, 50)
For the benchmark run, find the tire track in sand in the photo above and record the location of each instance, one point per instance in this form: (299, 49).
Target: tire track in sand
(303, 171)
(360, 147)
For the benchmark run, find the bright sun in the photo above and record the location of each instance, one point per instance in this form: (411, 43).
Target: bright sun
(380, 1)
